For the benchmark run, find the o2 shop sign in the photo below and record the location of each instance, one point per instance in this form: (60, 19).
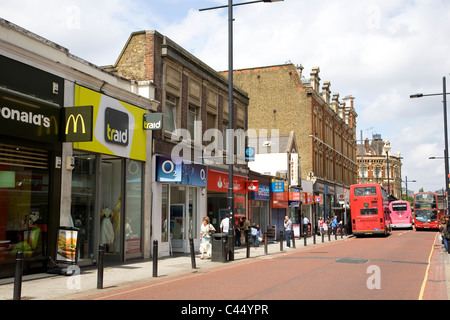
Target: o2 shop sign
(176, 171)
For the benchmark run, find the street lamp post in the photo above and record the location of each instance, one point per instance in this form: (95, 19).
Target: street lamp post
(406, 182)
(230, 134)
(444, 94)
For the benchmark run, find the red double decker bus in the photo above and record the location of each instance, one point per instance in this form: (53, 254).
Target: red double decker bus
(426, 211)
(369, 209)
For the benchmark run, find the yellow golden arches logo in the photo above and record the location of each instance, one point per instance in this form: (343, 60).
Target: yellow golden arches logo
(74, 120)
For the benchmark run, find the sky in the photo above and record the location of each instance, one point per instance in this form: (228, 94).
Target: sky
(379, 51)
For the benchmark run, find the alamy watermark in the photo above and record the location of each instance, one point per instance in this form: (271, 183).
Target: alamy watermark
(374, 280)
(212, 147)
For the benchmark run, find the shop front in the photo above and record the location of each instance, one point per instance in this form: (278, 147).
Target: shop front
(30, 178)
(280, 206)
(108, 180)
(217, 203)
(179, 193)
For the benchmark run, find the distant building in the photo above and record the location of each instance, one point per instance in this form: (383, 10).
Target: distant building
(377, 164)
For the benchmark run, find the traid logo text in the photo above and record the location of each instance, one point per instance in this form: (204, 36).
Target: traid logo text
(116, 127)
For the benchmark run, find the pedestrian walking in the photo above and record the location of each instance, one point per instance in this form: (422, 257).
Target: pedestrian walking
(334, 225)
(225, 224)
(246, 228)
(205, 236)
(444, 228)
(287, 230)
(321, 225)
(254, 232)
(305, 222)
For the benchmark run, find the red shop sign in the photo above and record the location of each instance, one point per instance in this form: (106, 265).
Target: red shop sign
(219, 181)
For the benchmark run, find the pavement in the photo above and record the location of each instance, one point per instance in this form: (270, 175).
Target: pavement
(59, 287)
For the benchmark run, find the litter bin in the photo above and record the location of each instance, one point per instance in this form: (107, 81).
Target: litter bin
(219, 247)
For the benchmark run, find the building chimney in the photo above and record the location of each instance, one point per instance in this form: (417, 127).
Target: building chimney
(326, 92)
(335, 103)
(315, 80)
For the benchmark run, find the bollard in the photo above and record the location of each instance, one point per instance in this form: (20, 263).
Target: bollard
(281, 240)
(191, 244)
(335, 233)
(323, 236)
(100, 266)
(225, 249)
(155, 258)
(247, 236)
(293, 239)
(266, 245)
(342, 232)
(329, 234)
(304, 239)
(18, 276)
(314, 236)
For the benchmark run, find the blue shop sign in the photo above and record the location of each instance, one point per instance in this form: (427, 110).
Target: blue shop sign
(176, 171)
(263, 193)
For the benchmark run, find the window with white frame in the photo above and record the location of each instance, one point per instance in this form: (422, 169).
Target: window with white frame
(170, 114)
(191, 121)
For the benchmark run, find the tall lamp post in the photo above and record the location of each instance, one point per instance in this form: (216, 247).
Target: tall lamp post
(230, 135)
(444, 94)
(406, 182)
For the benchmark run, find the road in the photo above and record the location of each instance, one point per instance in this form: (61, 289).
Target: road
(393, 267)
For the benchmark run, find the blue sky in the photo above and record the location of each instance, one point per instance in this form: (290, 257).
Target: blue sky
(379, 51)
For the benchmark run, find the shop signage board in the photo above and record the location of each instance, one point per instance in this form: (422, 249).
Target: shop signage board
(219, 181)
(66, 246)
(277, 186)
(153, 121)
(263, 193)
(177, 171)
(118, 128)
(78, 124)
(29, 119)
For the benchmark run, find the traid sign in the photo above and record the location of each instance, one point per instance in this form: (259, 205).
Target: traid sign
(117, 126)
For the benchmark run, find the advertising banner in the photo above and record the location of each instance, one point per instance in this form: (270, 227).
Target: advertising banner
(118, 128)
(66, 247)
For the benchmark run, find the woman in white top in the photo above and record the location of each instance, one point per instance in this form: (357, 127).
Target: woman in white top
(205, 235)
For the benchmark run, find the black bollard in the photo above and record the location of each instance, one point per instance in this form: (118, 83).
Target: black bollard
(342, 232)
(18, 276)
(155, 258)
(266, 245)
(191, 244)
(329, 234)
(293, 239)
(304, 239)
(247, 236)
(323, 236)
(281, 240)
(100, 266)
(314, 236)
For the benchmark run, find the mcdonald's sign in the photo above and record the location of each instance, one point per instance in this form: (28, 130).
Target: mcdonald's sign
(78, 124)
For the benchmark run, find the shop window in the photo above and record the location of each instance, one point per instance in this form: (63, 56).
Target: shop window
(133, 210)
(170, 114)
(24, 205)
(83, 211)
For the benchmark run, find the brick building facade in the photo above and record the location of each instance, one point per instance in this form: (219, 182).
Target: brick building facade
(281, 98)
(194, 98)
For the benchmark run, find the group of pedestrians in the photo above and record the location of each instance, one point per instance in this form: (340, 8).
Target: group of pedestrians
(207, 229)
(444, 229)
(325, 226)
